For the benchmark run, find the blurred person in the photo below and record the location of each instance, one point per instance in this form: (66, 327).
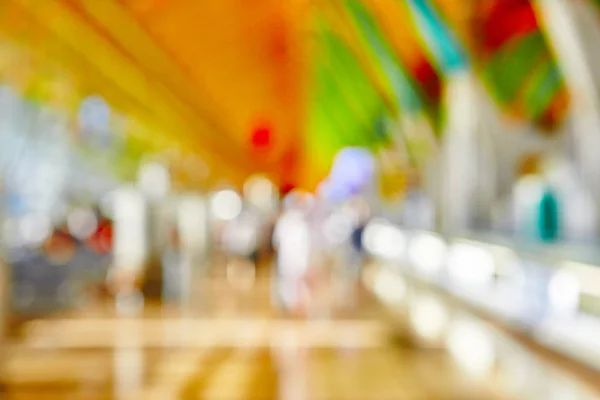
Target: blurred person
(292, 240)
(176, 270)
(323, 248)
(315, 217)
(361, 218)
(358, 215)
(265, 250)
(535, 202)
(269, 231)
(241, 242)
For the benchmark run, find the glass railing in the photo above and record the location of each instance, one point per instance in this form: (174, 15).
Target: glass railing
(549, 291)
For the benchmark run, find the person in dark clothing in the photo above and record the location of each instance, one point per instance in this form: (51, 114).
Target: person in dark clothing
(536, 203)
(357, 237)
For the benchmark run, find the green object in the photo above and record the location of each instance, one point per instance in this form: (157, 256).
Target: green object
(548, 218)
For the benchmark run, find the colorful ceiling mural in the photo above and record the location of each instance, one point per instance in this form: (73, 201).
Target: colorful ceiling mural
(272, 86)
(507, 44)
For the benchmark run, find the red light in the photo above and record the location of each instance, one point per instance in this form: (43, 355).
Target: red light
(101, 241)
(286, 188)
(261, 137)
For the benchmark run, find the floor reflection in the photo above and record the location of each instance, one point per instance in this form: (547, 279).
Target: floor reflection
(232, 344)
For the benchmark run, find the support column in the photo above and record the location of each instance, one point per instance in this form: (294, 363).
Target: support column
(459, 150)
(130, 246)
(585, 112)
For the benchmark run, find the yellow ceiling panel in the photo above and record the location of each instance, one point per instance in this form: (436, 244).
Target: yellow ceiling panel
(49, 43)
(205, 73)
(248, 56)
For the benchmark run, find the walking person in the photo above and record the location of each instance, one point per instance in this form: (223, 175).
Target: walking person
(293, 244)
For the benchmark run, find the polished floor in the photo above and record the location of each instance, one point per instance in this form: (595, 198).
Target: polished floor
(230, 343)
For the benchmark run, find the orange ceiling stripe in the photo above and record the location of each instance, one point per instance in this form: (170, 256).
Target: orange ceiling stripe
(231, 47)
(54, 51)
(145, 7)
(133, 39)
(122, 72)
(236, 70)
(93, 74)
(184, 107)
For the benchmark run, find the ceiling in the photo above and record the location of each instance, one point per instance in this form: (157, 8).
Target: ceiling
(267, 86)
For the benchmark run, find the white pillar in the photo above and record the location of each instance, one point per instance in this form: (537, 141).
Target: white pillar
(457, 172)
(567, 43)
(486, 163)
(130, 244)
(129, 247)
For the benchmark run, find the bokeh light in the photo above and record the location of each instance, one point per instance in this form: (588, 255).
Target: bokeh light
(226, 205)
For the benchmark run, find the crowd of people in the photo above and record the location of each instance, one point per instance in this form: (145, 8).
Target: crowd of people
(304, 245)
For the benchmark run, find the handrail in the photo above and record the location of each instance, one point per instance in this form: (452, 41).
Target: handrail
(536, 288)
